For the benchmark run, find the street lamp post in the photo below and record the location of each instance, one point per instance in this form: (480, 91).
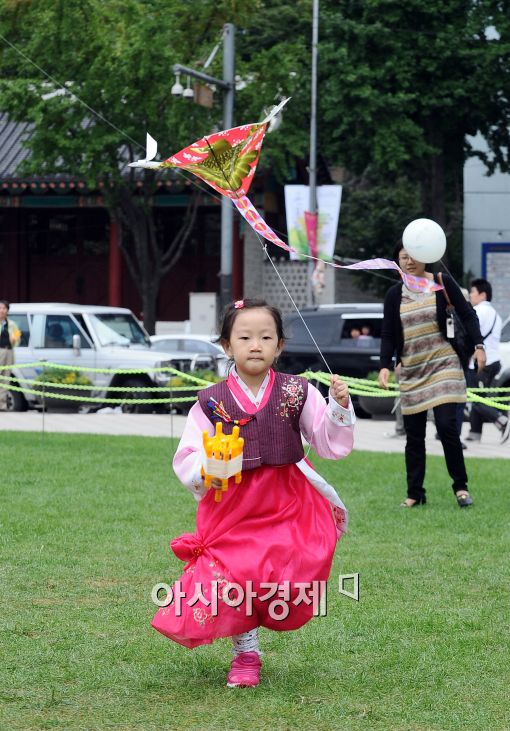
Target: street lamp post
(227, 85)
(312, 169)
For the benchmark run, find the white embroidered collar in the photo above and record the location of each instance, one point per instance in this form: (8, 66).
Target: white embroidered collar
(247, 390)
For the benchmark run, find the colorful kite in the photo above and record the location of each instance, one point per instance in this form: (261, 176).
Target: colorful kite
(224, 160)
(227, 162)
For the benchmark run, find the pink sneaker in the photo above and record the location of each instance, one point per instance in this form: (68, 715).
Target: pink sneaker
(244, 671)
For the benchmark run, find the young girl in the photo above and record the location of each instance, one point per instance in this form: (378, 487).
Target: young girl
(272, 536)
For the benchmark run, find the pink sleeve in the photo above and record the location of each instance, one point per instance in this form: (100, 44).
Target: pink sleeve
(327, 426)
(188, 457)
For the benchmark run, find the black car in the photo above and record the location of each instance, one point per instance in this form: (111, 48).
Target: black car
(349, 337)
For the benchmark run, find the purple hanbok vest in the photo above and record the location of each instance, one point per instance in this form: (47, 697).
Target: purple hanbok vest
(272, 435)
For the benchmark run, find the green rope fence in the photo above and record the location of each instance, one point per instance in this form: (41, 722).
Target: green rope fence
(52, 389)
(365, 387)
(357, 387)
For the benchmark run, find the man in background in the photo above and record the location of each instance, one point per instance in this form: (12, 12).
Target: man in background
(480, 296)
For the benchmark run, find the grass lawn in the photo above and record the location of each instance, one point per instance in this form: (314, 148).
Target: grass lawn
(84, 536)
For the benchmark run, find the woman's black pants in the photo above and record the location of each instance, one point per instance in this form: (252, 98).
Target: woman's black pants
(446, 424)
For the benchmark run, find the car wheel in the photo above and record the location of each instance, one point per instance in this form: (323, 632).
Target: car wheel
(129, 408)
(16, 401)
(359, 410)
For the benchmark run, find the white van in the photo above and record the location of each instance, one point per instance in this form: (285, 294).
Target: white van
(86, 336)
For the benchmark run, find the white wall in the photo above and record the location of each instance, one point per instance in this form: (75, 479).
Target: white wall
(486, 209)
(487, 220)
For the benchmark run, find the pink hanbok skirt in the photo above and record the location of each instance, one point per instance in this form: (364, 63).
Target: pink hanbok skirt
(272, 536)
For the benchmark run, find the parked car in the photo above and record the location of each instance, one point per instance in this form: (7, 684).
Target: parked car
(503, 379)
(196, 346)
(89, 337)
(348, 335)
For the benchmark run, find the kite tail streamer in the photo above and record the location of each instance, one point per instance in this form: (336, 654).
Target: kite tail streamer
(253, 217)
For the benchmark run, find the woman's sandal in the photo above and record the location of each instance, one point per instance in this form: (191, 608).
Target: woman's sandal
(464, 500)
(410, 502)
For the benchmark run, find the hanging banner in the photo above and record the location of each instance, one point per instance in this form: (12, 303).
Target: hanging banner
(297, 198)
(253, 217)
(311, 225)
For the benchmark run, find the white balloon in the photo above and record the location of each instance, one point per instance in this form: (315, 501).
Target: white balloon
(424, 240)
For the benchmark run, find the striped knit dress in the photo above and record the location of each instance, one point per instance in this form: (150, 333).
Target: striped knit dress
(431, 373)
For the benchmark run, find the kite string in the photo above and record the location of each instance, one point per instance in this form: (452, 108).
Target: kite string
(264, 248)
(189, 178)
(71, 93)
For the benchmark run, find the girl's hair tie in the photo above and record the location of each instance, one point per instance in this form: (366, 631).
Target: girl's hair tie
(239, 304)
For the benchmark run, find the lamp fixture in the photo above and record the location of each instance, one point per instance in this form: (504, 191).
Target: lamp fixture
(177, 89)
(188, 92)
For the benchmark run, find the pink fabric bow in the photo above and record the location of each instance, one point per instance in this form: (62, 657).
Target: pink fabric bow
(187, 547)
(239, 304)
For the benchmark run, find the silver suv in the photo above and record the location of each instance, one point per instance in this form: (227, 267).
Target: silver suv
(86, 336)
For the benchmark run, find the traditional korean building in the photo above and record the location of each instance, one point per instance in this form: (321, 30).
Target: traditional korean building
(57, 242)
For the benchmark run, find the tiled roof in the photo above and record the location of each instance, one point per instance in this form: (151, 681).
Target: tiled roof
(13, 153)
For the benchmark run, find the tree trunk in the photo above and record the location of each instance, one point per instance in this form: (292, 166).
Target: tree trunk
(146, 258)
(437, 190)
(149, 301)
(433, 178)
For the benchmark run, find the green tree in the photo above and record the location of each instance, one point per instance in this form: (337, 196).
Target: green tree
(372, 216)
(113, 58)
(401, 85)
(411, 81)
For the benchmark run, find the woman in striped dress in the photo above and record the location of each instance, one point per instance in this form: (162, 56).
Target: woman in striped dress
(431, 376)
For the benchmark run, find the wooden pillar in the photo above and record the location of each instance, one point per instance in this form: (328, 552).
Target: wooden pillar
(115, 266)
(9, 269)
(22, 256)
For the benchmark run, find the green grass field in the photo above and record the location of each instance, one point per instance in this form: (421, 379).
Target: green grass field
(84, 536)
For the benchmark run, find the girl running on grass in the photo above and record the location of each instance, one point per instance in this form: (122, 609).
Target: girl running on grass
(258, 557)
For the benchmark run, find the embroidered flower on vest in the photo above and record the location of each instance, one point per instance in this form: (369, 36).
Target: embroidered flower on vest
(292, 397)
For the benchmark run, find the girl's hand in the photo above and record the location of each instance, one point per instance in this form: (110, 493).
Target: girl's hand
(339, 391)
(384, 376)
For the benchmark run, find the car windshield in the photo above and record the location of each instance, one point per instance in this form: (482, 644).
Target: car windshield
(118, 329)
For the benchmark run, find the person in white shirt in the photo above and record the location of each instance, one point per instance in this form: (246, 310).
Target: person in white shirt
(480, 296)
(9, 338)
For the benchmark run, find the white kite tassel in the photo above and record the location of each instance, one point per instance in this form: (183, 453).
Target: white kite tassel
(275, 110)
(152, 148)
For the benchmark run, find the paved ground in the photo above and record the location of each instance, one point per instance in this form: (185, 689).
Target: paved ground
(371, 434)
